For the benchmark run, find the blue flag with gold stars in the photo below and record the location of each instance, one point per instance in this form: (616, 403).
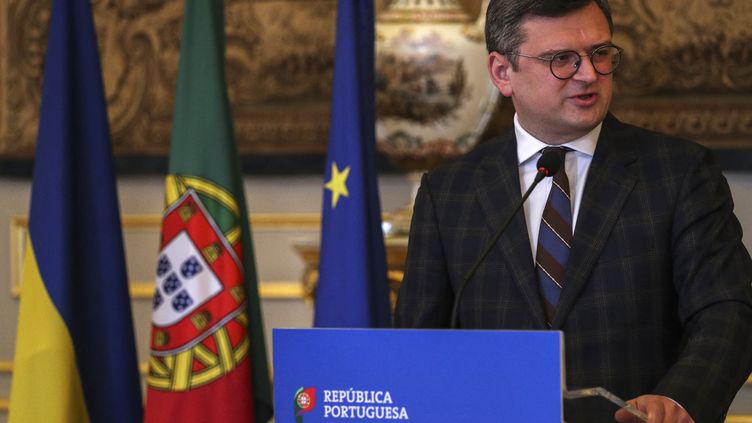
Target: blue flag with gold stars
(352, 289)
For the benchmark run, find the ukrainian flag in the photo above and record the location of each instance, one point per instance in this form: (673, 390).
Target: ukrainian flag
(75, 350)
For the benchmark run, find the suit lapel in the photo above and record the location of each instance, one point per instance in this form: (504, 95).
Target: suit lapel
(497, 185)
(610, 180)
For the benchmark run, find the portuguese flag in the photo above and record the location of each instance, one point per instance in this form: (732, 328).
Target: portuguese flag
(208, 357)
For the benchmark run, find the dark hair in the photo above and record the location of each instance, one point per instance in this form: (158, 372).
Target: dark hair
(504, 18)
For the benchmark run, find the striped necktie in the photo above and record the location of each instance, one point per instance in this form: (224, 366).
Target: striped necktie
(554, 238)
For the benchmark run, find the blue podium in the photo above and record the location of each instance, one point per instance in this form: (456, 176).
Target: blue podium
(331, 375)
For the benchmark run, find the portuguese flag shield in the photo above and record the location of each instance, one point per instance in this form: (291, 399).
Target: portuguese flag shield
(208, 358)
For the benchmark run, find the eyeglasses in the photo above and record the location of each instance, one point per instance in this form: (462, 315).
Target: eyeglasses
(565, 64)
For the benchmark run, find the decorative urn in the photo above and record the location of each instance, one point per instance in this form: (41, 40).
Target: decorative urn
(433, 94)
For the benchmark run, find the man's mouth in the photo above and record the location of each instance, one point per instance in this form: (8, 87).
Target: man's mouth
(585, 100)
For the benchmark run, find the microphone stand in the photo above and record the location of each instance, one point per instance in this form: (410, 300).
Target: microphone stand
(548, 164)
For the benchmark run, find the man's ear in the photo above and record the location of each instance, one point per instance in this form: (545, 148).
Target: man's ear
(499, 68)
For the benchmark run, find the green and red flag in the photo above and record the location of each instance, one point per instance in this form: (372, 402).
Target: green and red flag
(208, 354)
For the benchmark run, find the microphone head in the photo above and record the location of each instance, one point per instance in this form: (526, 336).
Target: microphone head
(550, 162)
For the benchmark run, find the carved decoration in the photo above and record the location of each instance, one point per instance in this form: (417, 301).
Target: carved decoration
(684, 46)
(687, 70)
(279, 70)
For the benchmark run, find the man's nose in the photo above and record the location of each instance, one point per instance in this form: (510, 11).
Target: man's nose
(586, 71)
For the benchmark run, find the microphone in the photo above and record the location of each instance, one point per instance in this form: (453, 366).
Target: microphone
(549, 163)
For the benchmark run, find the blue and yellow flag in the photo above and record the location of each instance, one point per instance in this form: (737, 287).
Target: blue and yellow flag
(75, 349)
(352, 290)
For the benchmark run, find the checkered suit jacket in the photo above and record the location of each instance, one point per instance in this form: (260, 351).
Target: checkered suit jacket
(657, 296)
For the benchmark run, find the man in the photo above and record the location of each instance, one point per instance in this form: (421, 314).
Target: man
(651, 284)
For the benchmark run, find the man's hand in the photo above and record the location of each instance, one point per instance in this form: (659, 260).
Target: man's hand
(659, 409)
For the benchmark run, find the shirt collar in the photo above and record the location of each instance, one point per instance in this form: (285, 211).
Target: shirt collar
(528, 146)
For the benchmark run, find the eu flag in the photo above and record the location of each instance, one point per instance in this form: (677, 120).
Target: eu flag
(352, 289)
(75, 355)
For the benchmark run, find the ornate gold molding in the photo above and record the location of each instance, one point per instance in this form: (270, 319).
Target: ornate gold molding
(717, 122)
(277, 290)
(151, 222)
(396, 252)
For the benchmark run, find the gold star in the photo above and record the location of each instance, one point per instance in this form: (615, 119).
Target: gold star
(337, 185)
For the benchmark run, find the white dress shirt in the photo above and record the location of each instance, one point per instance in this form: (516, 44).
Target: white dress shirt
(576, 165)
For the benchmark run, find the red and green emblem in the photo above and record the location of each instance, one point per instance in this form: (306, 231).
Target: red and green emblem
(198, 321)
(305, 400)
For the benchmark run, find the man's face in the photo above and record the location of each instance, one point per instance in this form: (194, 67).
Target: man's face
(553, 110)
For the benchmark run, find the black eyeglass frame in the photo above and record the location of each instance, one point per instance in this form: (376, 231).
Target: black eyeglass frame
(550, 60)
